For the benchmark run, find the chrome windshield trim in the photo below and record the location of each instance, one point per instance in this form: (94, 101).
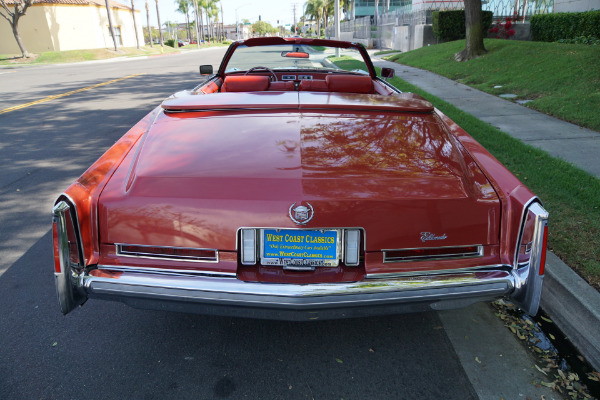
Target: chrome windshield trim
(478, 253)
(153, 256)
(166, 271)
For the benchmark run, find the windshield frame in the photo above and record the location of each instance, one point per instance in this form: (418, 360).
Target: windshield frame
(269, 41)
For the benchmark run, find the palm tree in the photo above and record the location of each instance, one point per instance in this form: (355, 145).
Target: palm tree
(183, 6)
(314, 10)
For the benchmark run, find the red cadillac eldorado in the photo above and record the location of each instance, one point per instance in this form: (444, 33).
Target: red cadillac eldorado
(292, 184)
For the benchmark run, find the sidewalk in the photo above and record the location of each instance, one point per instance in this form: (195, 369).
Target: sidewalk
(573, 305)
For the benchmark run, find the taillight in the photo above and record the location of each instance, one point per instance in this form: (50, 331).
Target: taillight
(67, 253)
(57, 268)
(544, 247)
(531, 247)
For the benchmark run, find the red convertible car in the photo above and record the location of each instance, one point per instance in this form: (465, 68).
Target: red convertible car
(294, 183)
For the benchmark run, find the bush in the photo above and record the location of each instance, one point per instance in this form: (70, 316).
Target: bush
(450, 25)
(592, 41)
(170, 42)
(554, 27)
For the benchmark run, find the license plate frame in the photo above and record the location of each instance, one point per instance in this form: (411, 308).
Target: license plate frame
(301, 254)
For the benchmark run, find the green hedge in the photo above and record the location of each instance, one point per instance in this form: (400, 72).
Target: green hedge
(450, 25)
(553, 27)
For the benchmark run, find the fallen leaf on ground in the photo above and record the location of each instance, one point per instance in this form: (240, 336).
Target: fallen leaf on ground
(541, 370)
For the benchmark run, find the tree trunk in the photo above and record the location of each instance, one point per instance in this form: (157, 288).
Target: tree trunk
(201, 22)
(148, 22)
(110, 24)
(15, 29)
(159, 25)
(189, 32)
(474, 32)
(137, 39)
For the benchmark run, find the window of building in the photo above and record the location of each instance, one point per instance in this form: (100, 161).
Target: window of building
(117, 30)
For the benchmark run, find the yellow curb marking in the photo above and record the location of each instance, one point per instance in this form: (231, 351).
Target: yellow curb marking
(57, 96)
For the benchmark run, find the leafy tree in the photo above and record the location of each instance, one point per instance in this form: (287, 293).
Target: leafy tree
(261, 28)
(474, 32)
(19, 9)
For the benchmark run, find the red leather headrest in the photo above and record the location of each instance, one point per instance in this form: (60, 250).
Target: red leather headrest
(349, 83)
(313, 85)
(245, 83)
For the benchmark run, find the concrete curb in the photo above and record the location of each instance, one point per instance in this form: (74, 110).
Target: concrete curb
(574, 307)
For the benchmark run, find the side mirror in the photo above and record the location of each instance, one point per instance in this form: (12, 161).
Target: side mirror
(388, 73)
(206, 70)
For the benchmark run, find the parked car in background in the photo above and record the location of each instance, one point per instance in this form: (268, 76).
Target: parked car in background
(293, 183)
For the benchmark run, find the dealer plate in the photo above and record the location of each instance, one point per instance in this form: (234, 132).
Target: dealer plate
(300, 248)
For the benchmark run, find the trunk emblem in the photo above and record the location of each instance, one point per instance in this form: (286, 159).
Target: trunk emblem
(301, 214)
(426, 236)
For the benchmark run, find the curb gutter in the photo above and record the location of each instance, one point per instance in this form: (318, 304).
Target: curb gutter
(574, 307)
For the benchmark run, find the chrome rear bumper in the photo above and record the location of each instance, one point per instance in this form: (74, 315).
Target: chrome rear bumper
(233, 297)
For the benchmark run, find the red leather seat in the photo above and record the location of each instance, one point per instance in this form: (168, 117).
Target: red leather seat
(245, 83)
(349, 83)
(313, 85)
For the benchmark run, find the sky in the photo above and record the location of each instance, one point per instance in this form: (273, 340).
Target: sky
(269, 10)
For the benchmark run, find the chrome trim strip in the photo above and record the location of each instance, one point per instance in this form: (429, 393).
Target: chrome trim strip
(482, 268)
(224, 289)
(479, 253)
(166, 271)
(153, 256)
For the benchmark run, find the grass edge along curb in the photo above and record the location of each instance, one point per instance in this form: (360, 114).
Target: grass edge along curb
(561, 80)
(571, 195)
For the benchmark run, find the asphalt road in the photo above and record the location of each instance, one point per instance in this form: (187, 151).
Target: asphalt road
(107, 350)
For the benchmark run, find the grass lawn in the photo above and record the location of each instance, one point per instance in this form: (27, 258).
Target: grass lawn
(571, 196)
(55, 57)
(563, 80)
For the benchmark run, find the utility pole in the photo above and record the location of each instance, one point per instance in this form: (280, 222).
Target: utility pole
(149, 27)
(222, 22)
(336, 21)
(294, 18)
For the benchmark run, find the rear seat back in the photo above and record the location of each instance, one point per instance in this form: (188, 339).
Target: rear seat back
(245, 83)
(349, 83)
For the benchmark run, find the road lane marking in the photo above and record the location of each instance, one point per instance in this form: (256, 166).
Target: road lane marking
(57, 96)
